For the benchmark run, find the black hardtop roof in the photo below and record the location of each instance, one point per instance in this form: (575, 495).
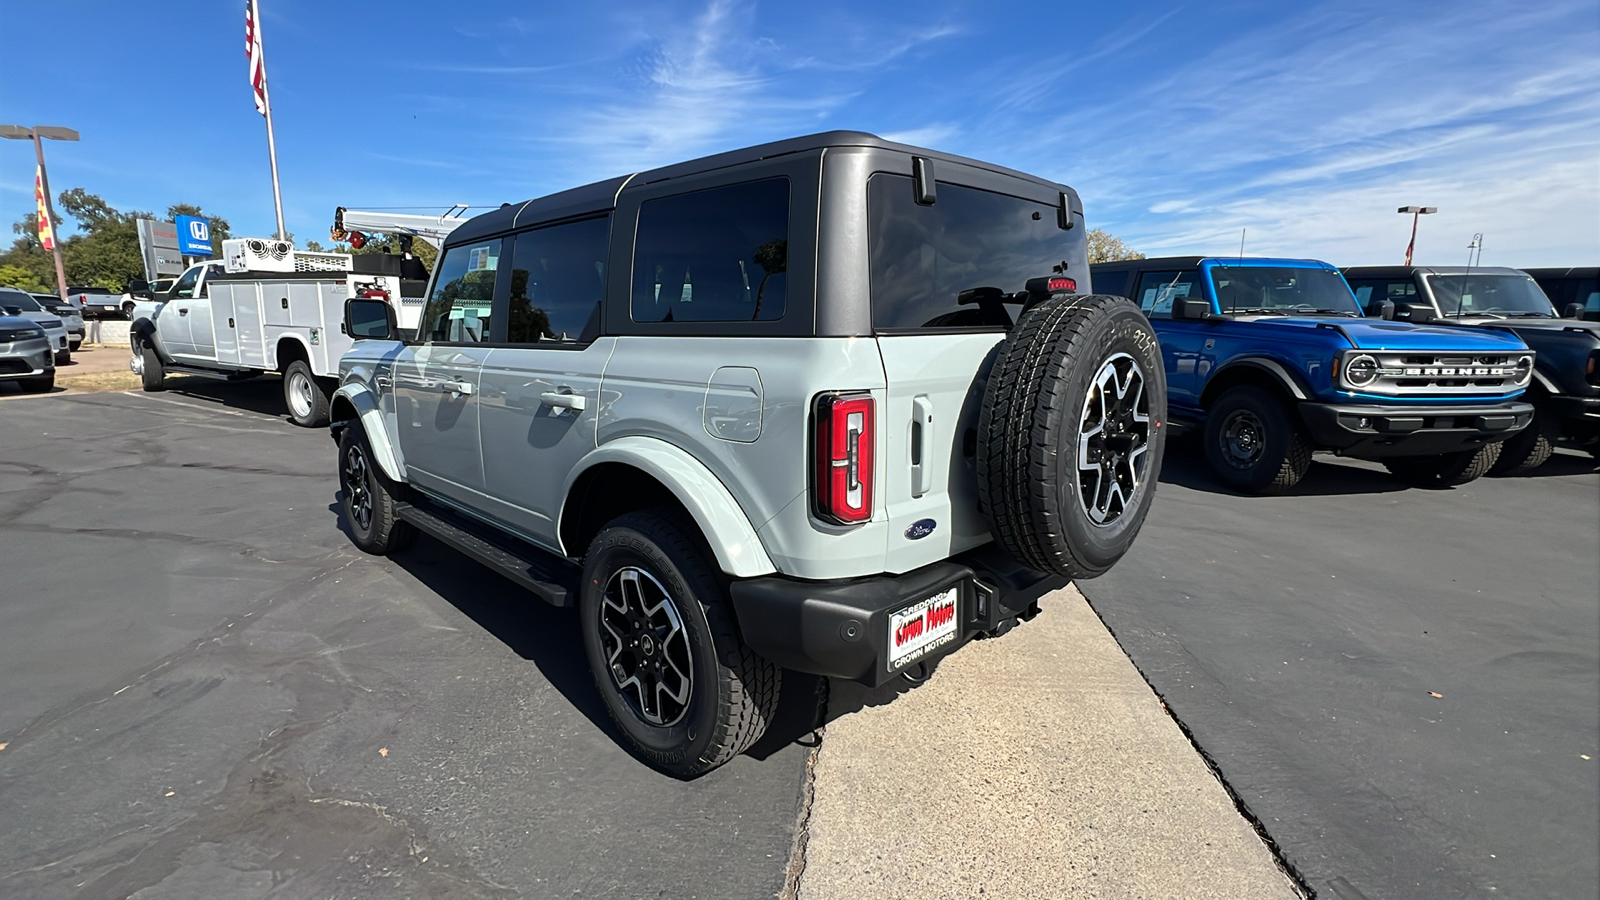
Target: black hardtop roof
(1564, 272)
(1152, 262)
(1407, 271)
(601, 196)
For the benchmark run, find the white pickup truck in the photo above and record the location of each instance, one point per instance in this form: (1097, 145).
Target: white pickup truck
(264, 306)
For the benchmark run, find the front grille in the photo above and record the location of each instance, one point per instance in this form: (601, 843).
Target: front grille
(1444, 374)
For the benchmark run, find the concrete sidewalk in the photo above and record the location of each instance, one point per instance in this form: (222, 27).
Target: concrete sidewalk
(1036, 765)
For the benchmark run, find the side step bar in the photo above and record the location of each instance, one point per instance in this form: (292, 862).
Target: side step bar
(217, 374)
(550, 578)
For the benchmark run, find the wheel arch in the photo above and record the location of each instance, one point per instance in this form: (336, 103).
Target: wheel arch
(288, 348)
(355, 406)
(634, 473)
(1265, 373)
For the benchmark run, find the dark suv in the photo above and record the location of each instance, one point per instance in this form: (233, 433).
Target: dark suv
(1566, 386)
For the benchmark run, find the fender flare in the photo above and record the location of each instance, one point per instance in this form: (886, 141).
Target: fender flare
(723, 522)
(1271, 366)
(370, 417)
(305, 348)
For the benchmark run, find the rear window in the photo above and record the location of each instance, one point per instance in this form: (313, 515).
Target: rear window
(924, 257)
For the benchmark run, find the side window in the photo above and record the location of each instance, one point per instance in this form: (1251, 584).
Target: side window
(458, 309)
(717, 255)
(1114, 282)
(558, 275)
(183, 289)
(1363, 294)
(1157, 290)
(205, 286)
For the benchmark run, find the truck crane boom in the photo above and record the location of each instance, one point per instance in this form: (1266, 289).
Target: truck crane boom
(433, 229)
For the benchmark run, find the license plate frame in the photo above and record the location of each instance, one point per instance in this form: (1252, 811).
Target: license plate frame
(921, 628)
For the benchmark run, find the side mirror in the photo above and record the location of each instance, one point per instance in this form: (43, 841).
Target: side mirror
(138, 286)
(1192, 308)
(370, 320)
(1385, 309)
(1417, 313)
(1573, 311)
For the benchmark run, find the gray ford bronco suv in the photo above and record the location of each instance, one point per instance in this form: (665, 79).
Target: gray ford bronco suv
(834, 405)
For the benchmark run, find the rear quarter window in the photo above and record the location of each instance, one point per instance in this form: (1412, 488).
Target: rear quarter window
(714, 255)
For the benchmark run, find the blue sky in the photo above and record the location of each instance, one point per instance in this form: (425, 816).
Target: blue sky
(1305, 123)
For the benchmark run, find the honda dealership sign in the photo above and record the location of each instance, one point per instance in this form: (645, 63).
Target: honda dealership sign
(194, 235)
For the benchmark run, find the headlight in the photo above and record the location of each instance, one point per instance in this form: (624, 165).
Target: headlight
(7, 335)
(1360, 371)
(1524, 369)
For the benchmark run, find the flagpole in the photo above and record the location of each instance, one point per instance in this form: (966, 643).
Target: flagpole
(272, 146)
(50, 214)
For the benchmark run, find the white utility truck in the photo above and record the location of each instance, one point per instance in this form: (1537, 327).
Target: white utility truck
(264, 306)
(355, 225)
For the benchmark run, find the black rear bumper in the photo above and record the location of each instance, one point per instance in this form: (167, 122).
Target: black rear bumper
(841, 628)
(1374, 431)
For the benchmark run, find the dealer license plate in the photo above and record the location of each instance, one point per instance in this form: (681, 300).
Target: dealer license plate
(921, 628)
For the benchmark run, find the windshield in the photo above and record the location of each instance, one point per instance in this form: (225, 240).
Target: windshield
(1282, 290)
(19, 300)
(1490, 295)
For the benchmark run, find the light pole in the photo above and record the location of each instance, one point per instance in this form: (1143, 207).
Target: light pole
(36, 134)
(1415, 212)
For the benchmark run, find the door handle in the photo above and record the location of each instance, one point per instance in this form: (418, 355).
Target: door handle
(564, 400)
(921, 438)
(183, 310)
(383, 382)
(464, 388)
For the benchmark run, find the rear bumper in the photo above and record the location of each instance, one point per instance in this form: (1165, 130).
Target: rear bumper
(841, 628)
(1373, 431)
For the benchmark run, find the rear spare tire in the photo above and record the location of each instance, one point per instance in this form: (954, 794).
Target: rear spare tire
(1446, 469)
(1071, 433)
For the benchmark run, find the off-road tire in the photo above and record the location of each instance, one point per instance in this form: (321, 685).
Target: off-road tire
(308, 409)
(1285, 448)
(1446, 469)
(1529, 448)
(153, 376)
(378, 531)
(1028, 442)
(38, 384)
(733, 691)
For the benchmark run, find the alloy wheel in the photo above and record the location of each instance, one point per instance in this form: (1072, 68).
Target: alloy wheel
(1242, 438)
(357, 491)
(1113, 440)
(646, 646)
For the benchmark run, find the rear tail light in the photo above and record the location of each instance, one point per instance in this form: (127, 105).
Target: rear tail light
(1592, 372)
(842, 484)
(375, 294)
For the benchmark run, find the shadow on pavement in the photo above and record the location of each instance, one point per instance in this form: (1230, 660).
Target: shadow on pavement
(1562, 462)
(548, 637)
(1185, 465)
(262, 394)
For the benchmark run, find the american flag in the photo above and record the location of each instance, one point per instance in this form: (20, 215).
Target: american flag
(252, 48)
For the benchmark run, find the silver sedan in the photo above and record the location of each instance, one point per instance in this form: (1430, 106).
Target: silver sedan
(26, 356)
(21, 303)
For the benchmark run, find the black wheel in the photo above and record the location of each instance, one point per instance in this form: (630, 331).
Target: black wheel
(1529, 448)
(1254, 443)
(666, 655)
(127, 309)
(1071, 434)
(148, 364)
(1444, 470)
(38, 384)
(308, 403)
(369, 497)
(63, 357)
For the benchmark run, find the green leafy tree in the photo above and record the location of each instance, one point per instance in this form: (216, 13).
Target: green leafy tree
(26, 254)
(22, 279)
(1107, 247)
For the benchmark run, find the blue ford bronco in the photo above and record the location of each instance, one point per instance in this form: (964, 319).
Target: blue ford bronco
(1273, 358)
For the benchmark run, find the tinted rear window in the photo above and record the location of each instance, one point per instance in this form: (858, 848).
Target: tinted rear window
(923, 257)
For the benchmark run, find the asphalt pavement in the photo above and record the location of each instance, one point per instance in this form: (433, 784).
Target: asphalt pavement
(1402, 685)
(206, 691)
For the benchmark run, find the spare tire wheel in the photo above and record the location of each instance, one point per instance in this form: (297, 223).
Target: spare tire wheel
(1071, 434)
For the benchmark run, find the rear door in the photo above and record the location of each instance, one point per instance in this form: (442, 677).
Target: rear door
(1183, 342)
(436, 381)
(541, 389)
(981, 231)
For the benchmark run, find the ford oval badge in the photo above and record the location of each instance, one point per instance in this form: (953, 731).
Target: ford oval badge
(921, 529)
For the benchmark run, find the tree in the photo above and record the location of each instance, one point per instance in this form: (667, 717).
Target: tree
(88, 209)
(22, 279)
(1107, 247)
